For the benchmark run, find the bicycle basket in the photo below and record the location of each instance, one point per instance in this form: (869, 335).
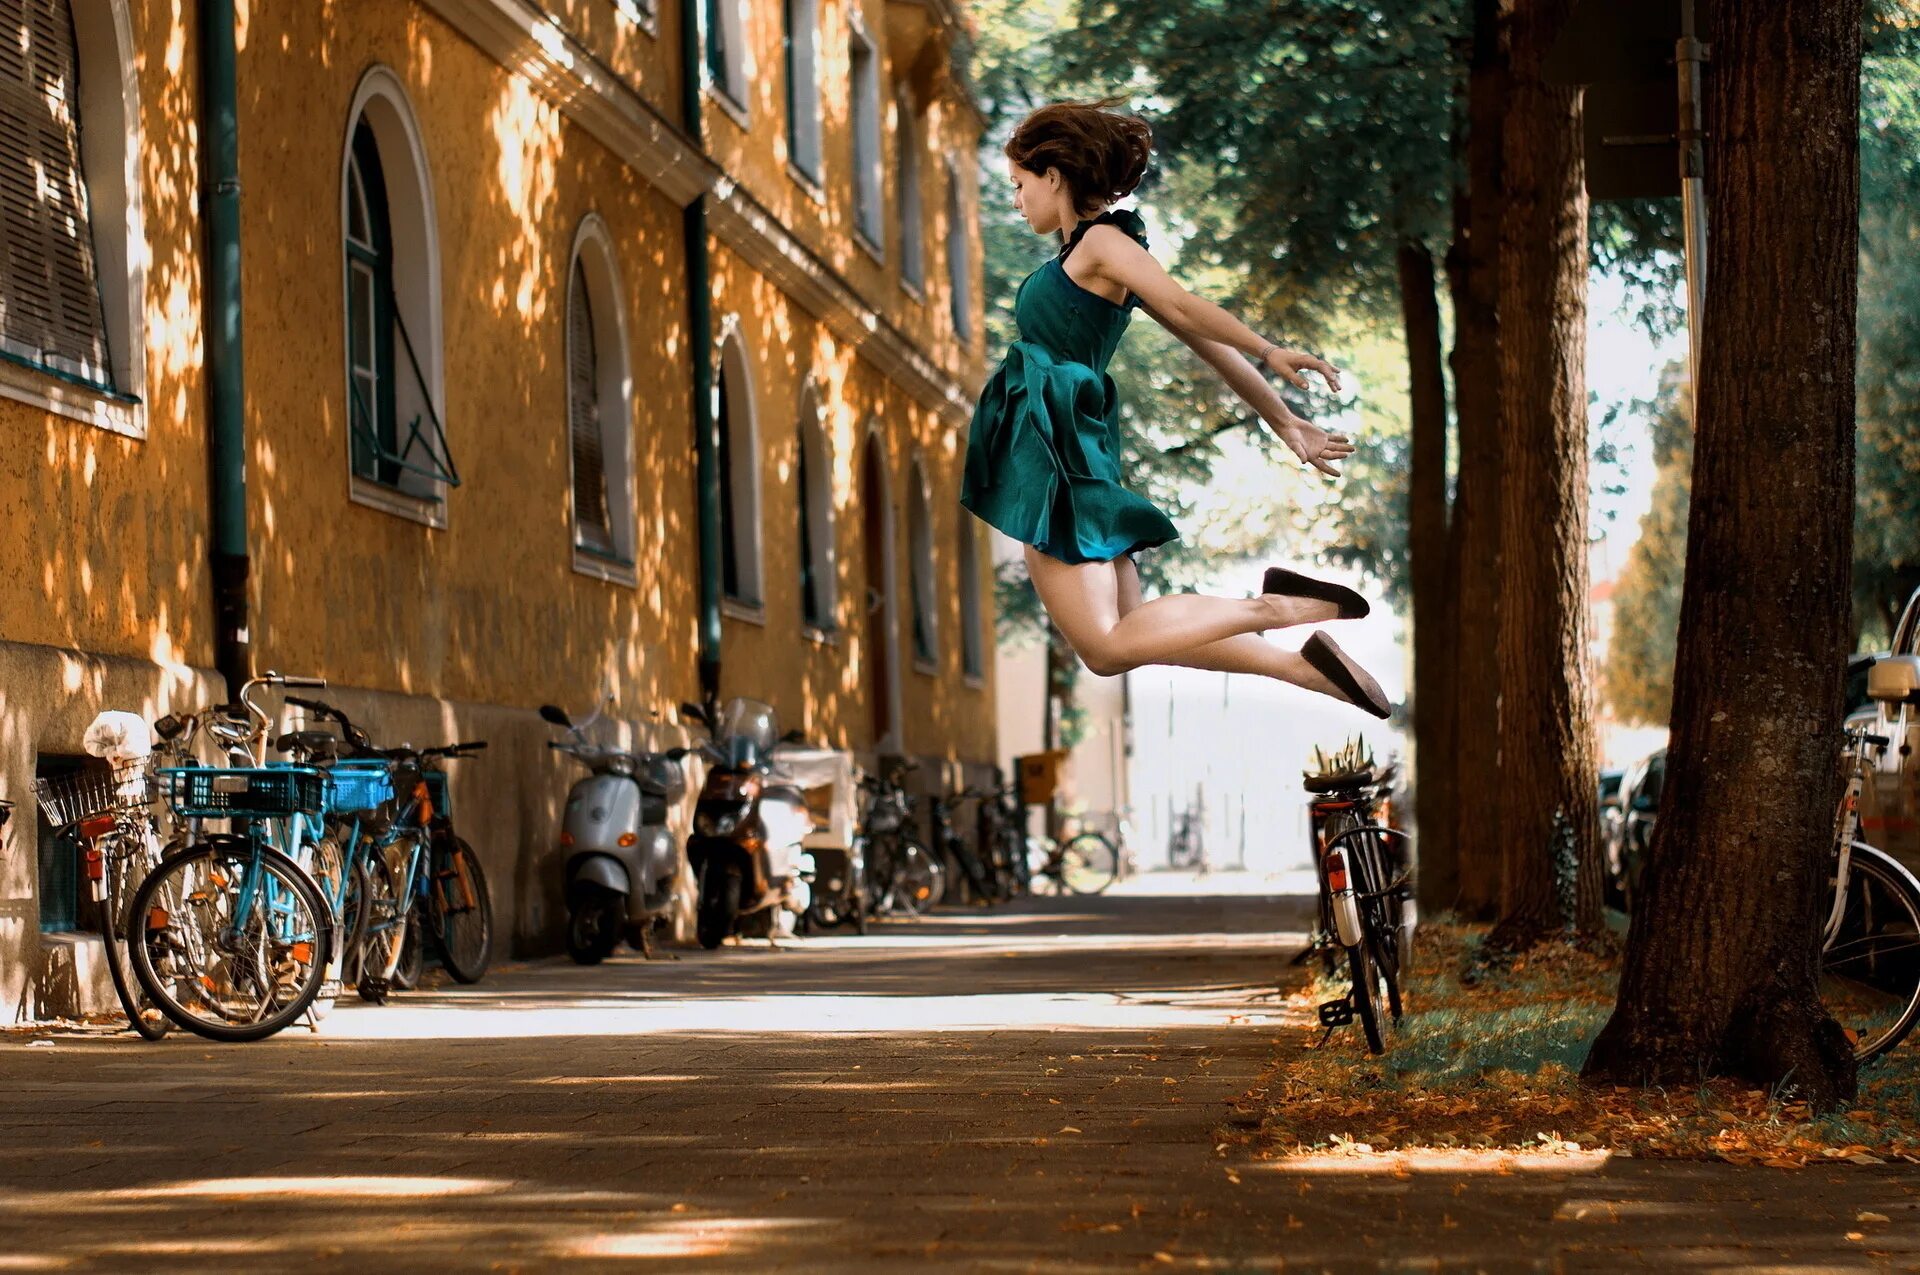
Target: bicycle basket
(357, 786)
(67, 799)
(206, 792)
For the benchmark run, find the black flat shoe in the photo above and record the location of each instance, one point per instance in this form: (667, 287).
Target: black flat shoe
(1347, 677)
(1293, 584)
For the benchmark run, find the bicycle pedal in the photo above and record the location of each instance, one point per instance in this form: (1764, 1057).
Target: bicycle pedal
(1336, 1013)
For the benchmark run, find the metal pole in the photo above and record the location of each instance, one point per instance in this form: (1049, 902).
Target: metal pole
(226, 379)
(1689, 55)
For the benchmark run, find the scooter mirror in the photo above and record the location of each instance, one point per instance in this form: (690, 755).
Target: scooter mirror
(677, 754)
(693, 713)
(555, 715)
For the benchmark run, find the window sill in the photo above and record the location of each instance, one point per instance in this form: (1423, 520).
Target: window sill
(923, 665)
(913, 290)
(734, 110)
(644, 14)
(115, 413)
(740, 609)
(421, 509)
(808, 183)
(867, 245)
(825, 637)
(978, 681)
(602, 566)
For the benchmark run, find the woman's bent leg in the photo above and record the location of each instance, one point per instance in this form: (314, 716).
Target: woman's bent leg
(1083, 600)
(1245, 653)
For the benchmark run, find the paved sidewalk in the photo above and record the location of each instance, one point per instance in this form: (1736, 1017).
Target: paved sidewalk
(1032, 1089)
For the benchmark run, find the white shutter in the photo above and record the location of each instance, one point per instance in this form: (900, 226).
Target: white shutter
(50, 310)
(583, 403)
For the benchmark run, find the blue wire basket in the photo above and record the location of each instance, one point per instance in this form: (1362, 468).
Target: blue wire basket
(359, 785)
(207, 792)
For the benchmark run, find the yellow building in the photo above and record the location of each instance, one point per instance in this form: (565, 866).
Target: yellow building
(474, 241)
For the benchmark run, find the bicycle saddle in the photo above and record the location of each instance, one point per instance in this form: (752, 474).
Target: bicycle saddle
(318, 745)
(1354, 781)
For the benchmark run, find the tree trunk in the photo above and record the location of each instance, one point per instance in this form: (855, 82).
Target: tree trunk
(1549, 818)
(1474, 532)
(1427, 537)
(1720, 973)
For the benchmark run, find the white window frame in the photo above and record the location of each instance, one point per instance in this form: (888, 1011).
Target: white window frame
(920, 577)
(869, 211)
(111, 145)
(731, 96)
(807, 160)
(743, 446)
(913, 256)
(819, 503)
(959, 272)
(415, 224)
(593, 254)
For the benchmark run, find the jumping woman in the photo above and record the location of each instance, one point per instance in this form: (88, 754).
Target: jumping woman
(1041, 456)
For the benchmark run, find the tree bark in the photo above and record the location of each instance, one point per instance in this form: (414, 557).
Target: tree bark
(1720, 972)
(1427, 538)
(1549, 819)
(1474, 531)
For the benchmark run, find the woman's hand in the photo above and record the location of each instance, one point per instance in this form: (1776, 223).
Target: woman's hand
(1288, 363)
(1313, 445)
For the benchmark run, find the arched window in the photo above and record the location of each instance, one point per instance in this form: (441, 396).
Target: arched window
(926, 649)
(599, 406)
(738, 456)
(818, 597)
(958, 275)
(397, 444)
(913, 267)
(72, 332)
(864, 61)
(803, 85)
(972, 649)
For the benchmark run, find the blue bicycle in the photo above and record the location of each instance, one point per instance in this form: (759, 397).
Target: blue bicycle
(233, 936)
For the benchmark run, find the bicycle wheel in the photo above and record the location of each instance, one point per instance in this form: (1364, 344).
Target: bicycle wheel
(1367, 856)
(383, 924)
(918, 879)
(412, 966)
(1089, 863)
(1870, 962)
(459, 911)
(1366, 994)
(326, 863)
(143, 1014)
(234, 939)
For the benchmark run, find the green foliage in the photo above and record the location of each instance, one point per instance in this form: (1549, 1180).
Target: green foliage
(1887, 489)
(1638, 677)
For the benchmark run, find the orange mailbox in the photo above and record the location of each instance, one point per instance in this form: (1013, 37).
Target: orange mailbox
(1040, 776)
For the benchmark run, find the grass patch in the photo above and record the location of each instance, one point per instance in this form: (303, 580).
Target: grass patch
(1488, 1056)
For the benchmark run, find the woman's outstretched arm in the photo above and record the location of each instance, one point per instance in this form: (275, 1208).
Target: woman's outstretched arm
(1311, 444)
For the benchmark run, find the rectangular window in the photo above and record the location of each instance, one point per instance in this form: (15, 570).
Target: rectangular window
(866, 139)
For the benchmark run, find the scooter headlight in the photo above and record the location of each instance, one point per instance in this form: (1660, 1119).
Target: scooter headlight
(716, 823)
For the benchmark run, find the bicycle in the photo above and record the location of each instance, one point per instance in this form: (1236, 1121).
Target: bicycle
(1365, 894)
(403, 869)
(235, 937)
(986, 885)
(1086, 863)
(108, 812)
(902, 876)
(1003, 832)
(1870, 940)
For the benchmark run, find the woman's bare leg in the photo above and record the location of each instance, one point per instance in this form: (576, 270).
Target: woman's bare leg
(1246, 653)
(1083, 600)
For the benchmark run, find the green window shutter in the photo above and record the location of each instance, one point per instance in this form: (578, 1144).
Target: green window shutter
(369, 250)
(809, 587)
(50, 312)
(786, 44)
(592, 527)
(717, 48)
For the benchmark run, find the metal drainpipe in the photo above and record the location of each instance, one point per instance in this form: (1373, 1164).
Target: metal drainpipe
(226, 393)
(700, 324)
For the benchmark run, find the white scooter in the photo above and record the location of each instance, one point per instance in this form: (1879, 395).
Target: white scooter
(620, 855)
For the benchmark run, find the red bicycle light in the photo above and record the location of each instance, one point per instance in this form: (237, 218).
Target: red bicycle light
(1336, 870)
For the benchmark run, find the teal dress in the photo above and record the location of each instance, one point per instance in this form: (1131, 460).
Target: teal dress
(1043, 451)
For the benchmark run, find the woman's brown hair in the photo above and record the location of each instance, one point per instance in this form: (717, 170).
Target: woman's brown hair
(1101, 154)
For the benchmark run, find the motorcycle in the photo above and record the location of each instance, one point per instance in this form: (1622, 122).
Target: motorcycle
(747, 827)
(621, 857)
